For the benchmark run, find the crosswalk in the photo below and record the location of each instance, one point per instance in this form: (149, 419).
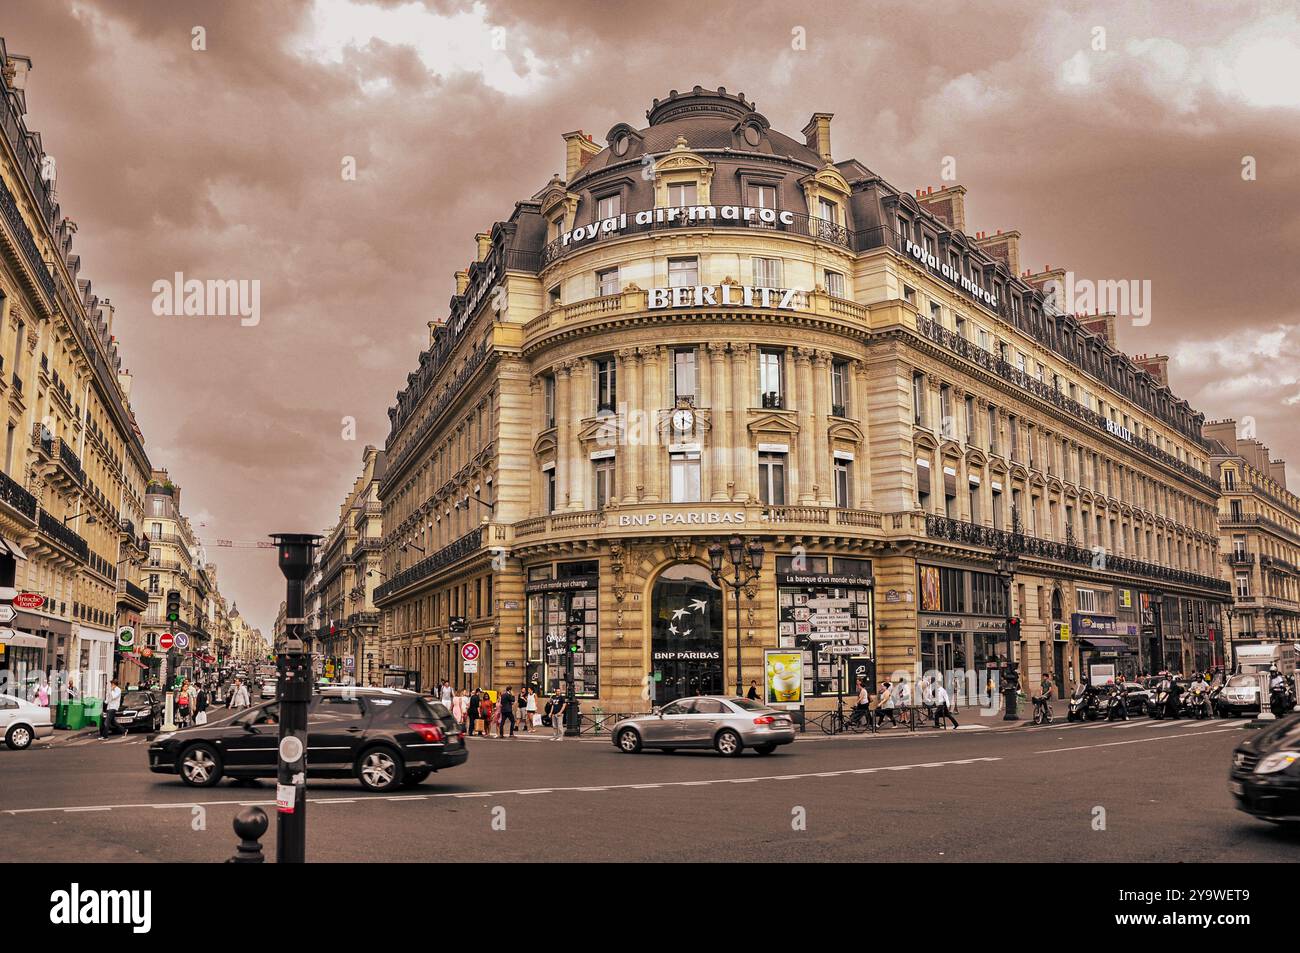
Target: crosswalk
(1132, 723)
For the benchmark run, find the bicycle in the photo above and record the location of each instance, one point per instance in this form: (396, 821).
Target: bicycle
(837, 721)
(1042, 710)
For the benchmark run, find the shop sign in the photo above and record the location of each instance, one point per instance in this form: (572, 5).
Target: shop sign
(682, 518)
(703, 655)
(1061, 631)
(560, 585)
(29, 600)
(951, 274)
(783, 677)
(510, 604)
(1086, 623)
(834, 580)
(723, 296)
(701, 214)
(964, 623)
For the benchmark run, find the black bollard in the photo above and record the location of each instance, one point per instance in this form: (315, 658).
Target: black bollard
(250, 824)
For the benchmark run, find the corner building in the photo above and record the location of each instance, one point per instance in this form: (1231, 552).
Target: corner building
(709, 328)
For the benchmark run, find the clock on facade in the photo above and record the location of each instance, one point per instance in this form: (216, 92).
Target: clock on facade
(683, 420)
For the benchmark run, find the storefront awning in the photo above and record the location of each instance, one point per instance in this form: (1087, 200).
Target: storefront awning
(8, 545)
(1104, 642)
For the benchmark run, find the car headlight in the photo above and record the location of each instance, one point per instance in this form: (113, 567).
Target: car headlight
(1277, 761)
(164, 736)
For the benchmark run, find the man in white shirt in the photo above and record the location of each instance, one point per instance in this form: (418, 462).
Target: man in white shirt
(108, 720)
(941, 708)
(863, 707)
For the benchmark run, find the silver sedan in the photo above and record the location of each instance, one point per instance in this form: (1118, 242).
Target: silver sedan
(728, 725)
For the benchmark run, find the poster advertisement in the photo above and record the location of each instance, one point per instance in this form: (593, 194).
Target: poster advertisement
(783, 680)
(930, 601)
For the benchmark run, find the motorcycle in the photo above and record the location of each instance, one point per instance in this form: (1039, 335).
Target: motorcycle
(1195, 703)
(1113, 705)
(1083, 705)
(1164, 704)
(1280, 700)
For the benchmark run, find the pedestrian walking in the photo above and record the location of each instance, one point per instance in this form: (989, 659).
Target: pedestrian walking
(183, 705)
(558, 706)
(446, 695)
(485, 708)
(507, 711)
(941, 708)
(885, 705)
(241, 694)
(521, 708)
(752, 694)
(108, 719)
(475, 711)
(43, 693)
(531, 711)
(459, 704)
(201, 707)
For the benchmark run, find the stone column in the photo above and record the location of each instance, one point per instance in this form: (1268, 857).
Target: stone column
(861, 467)
(821, 409)
(563, 432)
(579, 403)
(652, 456)
(742, 387)
(719, 437)
(806, 472)
(628, 463)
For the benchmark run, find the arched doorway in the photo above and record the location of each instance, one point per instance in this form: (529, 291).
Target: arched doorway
(686, 633)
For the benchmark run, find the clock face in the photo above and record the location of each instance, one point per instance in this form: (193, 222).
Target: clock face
(683, 420)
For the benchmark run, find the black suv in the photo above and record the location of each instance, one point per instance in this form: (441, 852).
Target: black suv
(1265, 774)
(139, 709)
(383, 737)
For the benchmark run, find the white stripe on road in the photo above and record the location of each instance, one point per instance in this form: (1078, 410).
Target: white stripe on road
(1138, 741)
(501, 793)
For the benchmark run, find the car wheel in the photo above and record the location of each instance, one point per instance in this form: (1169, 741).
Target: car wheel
(416, 777)
(199, 766)
(379, 769)
(765, 748)
(728, 743)
(629, 742)
(18, 738)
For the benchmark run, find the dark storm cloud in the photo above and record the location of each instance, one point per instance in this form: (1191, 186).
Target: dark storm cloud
(1116, 163)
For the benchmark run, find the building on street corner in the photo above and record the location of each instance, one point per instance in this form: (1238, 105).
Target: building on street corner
(708, 328)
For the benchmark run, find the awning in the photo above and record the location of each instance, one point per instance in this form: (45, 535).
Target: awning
(12, 548)
(1104, 642)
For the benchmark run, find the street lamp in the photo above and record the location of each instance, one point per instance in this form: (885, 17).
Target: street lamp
(747, 564)
(90, 518)
(1158, 600)
(1010, 545)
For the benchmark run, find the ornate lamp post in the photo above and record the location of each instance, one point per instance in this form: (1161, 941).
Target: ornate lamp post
(1010, 545)
(747, 564)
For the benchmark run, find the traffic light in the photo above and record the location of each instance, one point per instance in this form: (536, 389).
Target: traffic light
(1013, 675)
(1013, 628)
(576, 620)
(173, 605)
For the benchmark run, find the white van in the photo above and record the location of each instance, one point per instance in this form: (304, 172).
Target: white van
(1261, 656)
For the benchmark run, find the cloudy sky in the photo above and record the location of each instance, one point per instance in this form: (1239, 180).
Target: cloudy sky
(1112, 135)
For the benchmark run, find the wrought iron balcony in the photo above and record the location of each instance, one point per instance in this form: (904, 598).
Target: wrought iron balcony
(1241, 558)
(64, 536)
(68, 460)
(13, 494)
(426, 567)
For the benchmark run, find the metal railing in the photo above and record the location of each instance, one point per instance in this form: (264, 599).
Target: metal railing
(426, 567)
(17, 497)
(66, 537)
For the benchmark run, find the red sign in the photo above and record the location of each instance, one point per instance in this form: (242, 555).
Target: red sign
(29, 600)
(469, 651)
(165, 640)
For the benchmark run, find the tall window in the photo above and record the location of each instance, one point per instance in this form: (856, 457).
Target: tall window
(1243, 585)
(993, 430)
(607, 282)
(974, 498)
(843, 483)
(827, 210)
(550, 490)
(605, 384)
(683, 272)
(835, 284)
(604, 474)
(840, 388)
(548, 400)
(769, 377)
(682, 193)
(771, 478)
(923, 484)
(767, 272)
(918, 398)
(970, 420)
(684, 372)
(945, 411)
(684, 470)
(609, 206)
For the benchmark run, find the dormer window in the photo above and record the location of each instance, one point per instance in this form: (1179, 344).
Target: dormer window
(828, 211)
(682, 193)
(609, 206)
(760, 196)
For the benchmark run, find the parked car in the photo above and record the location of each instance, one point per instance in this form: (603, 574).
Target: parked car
(140, 709)
(1265, 774)
(1240, 695)
(268, 688)
(383, 737)
(22, 722)
(728, 725)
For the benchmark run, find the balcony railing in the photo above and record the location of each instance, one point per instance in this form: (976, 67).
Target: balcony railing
(1241, 559)
(16, 496)
(66, 537)
(132, 591)
(426, 567)
(960, 531)
(68, 457)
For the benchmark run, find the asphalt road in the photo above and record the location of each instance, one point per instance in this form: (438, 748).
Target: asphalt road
(1136, 791)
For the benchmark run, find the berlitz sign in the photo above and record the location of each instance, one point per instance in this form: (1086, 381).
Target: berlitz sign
(682, 518)
(683, 215)
(946, 271)
(723, 296)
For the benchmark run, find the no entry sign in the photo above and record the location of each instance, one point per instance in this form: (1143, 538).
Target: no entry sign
(165, 640)
(469, 651)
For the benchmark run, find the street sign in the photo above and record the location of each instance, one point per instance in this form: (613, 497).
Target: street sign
(7, 634)
(349, 663)
(165, 640)
(7, 614)
(468, 667)
(29, 600)
(457, 625)
(182, 640)
(469, 652)
(126, 636)
(842, 649)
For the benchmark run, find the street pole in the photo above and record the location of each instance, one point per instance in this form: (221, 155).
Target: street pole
(293, 689)
(747, 564)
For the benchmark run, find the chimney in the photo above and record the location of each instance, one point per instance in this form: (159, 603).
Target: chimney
(578, 150)
(484, 245)
(462, 281)
(1277, 470)
(1157, 365)
(817, 135)
(1004, 246)
(124, 382)
(1224, 431)
(948, 205)
(16, 68)
(433, 332)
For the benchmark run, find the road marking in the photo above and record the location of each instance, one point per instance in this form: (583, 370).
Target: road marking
(1138, 741)
(470, 794)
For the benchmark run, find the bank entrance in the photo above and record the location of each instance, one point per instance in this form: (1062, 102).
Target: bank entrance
(686, 632)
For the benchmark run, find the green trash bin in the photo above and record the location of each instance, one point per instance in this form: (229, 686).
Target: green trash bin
(92, 709)
(76, 716)
(61, 715)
